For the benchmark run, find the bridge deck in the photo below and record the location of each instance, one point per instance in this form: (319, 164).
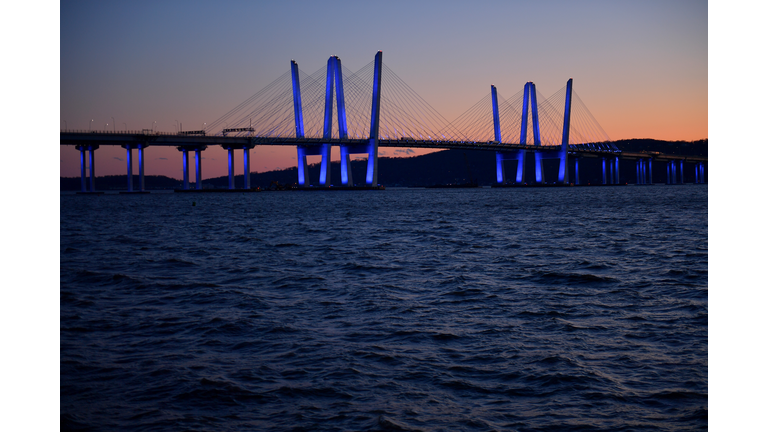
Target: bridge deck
(191, 141)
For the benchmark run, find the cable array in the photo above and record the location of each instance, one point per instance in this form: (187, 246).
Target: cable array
(404, 114)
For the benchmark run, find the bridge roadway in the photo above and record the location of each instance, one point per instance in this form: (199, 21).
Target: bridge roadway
(134, 139)
(91, 140)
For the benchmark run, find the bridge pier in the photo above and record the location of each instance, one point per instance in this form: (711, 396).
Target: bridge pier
(604, 178)
(674, 172)
(650, 170)
(185, 167)
(500, 177)
(346, 166)
(82, 171)
(198, 170)
(129, 165)
(231, 167)
(246, 169)
(616, 164)
(185, 164)
(141, 168)
(699, 170)
(302, 165)
(325, 165)
(611, 178)
(539, 164)
(638, 176)
(520, 176)
(682, 179)
(576, 170)
(91, 167)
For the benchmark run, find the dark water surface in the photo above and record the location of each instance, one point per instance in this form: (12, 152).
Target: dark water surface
(412, 309)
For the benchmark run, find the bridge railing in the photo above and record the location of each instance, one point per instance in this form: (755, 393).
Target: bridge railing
(128, 132)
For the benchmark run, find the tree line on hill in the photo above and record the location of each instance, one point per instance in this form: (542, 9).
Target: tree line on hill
(448, 167)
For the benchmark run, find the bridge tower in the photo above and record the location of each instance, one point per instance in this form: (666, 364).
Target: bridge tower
(324, 150)
(563, 172)
(298, 116)
(334, 77)
(519, 155)
(501, 156)
(538, 156)
(372, 147)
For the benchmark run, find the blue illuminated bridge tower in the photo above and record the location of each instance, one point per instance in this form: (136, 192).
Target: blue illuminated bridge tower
(529, 94)
(334, 77)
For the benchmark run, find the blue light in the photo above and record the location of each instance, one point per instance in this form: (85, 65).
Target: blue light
(524, 122)
(340, 107)
(297, 108)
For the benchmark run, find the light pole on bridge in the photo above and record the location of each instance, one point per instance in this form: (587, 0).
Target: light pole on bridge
(114, 125)
(89, 125)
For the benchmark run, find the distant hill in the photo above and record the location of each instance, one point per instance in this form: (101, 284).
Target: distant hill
(444, 167)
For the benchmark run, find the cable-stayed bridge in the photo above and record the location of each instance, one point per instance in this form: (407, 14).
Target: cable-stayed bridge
(371, 108)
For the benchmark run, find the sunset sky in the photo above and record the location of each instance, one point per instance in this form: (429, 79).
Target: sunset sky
(640, 67)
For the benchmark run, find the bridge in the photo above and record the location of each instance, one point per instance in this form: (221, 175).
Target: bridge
(380, 110)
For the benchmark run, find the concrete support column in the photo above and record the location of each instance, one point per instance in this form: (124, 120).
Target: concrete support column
(674, 172)
(129, 166)
(141, 168)
(301, 154)
(539, 167)
(682, 179)
(638, 177)
(231, 160)
(604, 179)
(372, 170)
(185, 168)
(93, 168)
(246, 169)
(609, 172)
(669, 172)
(520, 175)
(198, 171)
(650, 171)
(616, 162)
(346, 166)
(576, 169)
(82, 170)
(325, 165)
(499, 168)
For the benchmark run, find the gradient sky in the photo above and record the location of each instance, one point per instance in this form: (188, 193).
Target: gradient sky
(640, 67)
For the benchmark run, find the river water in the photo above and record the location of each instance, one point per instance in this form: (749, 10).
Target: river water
(406, 309)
